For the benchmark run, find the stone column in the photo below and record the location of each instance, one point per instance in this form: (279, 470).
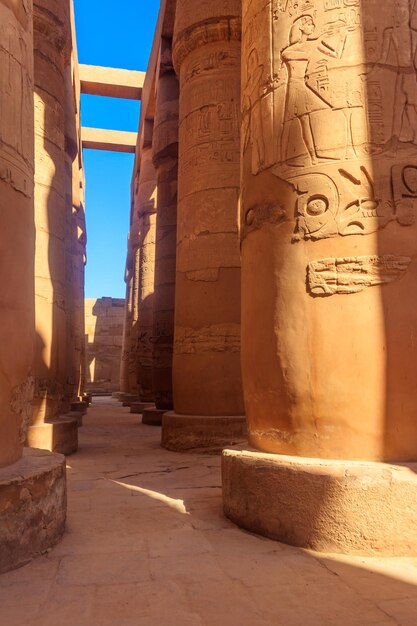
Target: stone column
(134, 242)
(165, 159)
(28, 525)
(124, 363)
(206, 367)
(51, 56)
(146, 208)
(329, 242)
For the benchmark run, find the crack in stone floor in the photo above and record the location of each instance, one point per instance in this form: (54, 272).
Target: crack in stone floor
(147, 544)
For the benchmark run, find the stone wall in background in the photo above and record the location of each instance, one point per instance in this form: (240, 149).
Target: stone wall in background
(104, 334)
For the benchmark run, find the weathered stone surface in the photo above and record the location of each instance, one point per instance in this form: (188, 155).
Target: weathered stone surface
(32, 506)
(197, 433)
(139, 407)
(328, 203)
(152, 416)
(206, 362)
(145, 205)
(17, 235)
(104, 319)
(51, 55)
(165, 158)
(329, 506)
(59, 435)
(128, 398)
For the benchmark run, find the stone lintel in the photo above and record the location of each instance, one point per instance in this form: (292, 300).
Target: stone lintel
(350, 507)
(111, 82)
(109, 140)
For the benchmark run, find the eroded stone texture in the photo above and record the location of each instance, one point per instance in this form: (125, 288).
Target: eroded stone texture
(51, 41)
(165, 158)
(206, 365)
(16, 226)
(329, 506)
(33, 505)
(328, 208)
(104, 319)
(145, 205)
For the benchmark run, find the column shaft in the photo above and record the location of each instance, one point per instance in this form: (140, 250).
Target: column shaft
(165, 157)
(17, 234)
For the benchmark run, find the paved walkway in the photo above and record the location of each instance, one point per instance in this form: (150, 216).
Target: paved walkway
(147, 545)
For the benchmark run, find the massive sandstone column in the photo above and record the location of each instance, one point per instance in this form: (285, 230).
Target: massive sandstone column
(124, 363)
(32, 482)
(206, 368)
(52, 392)
(145, 204)
(329, 242)
(165, 159)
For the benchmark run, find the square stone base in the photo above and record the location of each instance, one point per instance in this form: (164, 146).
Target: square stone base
(128, 398)
(152, 416)
(79, 406)
(60, 435)
(350, 507)
(139, 407)
(202, 433)
(33, 506)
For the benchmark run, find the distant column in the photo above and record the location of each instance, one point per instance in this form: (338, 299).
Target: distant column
(208, 400)
(52, 394)
(146, 207)
(165, 158)
(32, 482)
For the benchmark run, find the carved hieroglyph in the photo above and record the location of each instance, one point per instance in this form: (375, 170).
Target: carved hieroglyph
(330, 101)
(207, 380)
(328, 208)
(16, 225)
(352, 274)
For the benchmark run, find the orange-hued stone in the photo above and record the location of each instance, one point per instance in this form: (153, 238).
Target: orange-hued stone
(329, 232)
(104, 319)
(17, 235)
(51, 51)
(165, 158)
(206, 365)
(143, 294)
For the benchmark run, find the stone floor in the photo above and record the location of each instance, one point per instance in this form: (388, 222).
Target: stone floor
(147, 544)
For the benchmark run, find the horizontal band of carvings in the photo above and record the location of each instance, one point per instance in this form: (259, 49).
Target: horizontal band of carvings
(215, 338)
(201, 34)
(346, 275)
(51, 28)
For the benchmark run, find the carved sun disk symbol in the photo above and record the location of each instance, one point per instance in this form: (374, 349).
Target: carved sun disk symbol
(317, 205)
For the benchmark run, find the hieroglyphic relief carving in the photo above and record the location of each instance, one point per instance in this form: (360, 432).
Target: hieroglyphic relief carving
(335, 89)
(346, 275)
(16, 150)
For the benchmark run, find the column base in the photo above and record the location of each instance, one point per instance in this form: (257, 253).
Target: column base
(60, 435)
(128, 398)
(33, 503)
(153, 416)
(349, 507)
(76, 415)
(139, 407)
(79, 406)
(201, 433)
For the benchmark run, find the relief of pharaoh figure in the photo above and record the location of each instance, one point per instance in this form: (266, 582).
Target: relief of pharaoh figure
(301, 100)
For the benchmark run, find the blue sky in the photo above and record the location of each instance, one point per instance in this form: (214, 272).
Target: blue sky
(115, 34)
